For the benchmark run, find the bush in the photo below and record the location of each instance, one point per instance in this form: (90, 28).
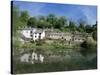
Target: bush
(94, 35)
(89, 43)
(89, 46)
(40, 42)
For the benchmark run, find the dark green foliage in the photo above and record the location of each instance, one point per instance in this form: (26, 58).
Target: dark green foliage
(24, 17)
(40, 42)
(89, 47)
(32, 22)
(72, 26)
(61, 22)
(41, 22)
(81, 28)
(94, 30)
(88, 28)
(94, 35)
(52, 20)
(19, 19)
(82, 24)
(15, 18)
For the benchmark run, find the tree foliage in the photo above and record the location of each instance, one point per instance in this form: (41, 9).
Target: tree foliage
(72, 26)
(22, 19)
(94, 31)
(32, 22)
(89, 46)
(16, 23)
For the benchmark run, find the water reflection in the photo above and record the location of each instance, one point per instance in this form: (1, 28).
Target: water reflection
(32, 58)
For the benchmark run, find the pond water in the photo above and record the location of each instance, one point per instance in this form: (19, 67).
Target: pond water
(32, 58)
(49, 56)
(61, 60)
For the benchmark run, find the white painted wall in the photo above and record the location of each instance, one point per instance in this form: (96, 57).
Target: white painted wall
(43, 35)
(26, 33)
(35, 35)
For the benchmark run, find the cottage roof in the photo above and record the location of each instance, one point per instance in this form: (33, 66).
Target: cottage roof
(38, 31)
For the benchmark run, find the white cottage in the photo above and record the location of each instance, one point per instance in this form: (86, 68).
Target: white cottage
(32, 33)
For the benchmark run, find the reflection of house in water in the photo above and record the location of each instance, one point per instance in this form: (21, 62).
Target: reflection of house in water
(36, 34)
(32, 58)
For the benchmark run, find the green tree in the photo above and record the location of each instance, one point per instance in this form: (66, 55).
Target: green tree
(89, 46)
(72, 26)
(82, 24)
(51, 19)
(94, 35)
(24, 17)
(32, 22)
(94, 30)
(88, 28)
(61, 22)
(42, 23)
(94, 27)
(16, 23)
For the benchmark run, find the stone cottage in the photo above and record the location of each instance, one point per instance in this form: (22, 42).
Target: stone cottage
(39, 34)
(67, 36)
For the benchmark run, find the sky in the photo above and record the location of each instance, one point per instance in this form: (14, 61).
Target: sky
(72, 12)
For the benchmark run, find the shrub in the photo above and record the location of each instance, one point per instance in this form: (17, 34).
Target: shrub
(89, 46)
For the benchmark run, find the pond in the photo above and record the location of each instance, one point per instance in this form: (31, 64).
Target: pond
(48, 61)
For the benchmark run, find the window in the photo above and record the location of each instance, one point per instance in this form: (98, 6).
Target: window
(31, 32)
(62, 37)
(39, 33)
(39, 37)
(31, 35)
